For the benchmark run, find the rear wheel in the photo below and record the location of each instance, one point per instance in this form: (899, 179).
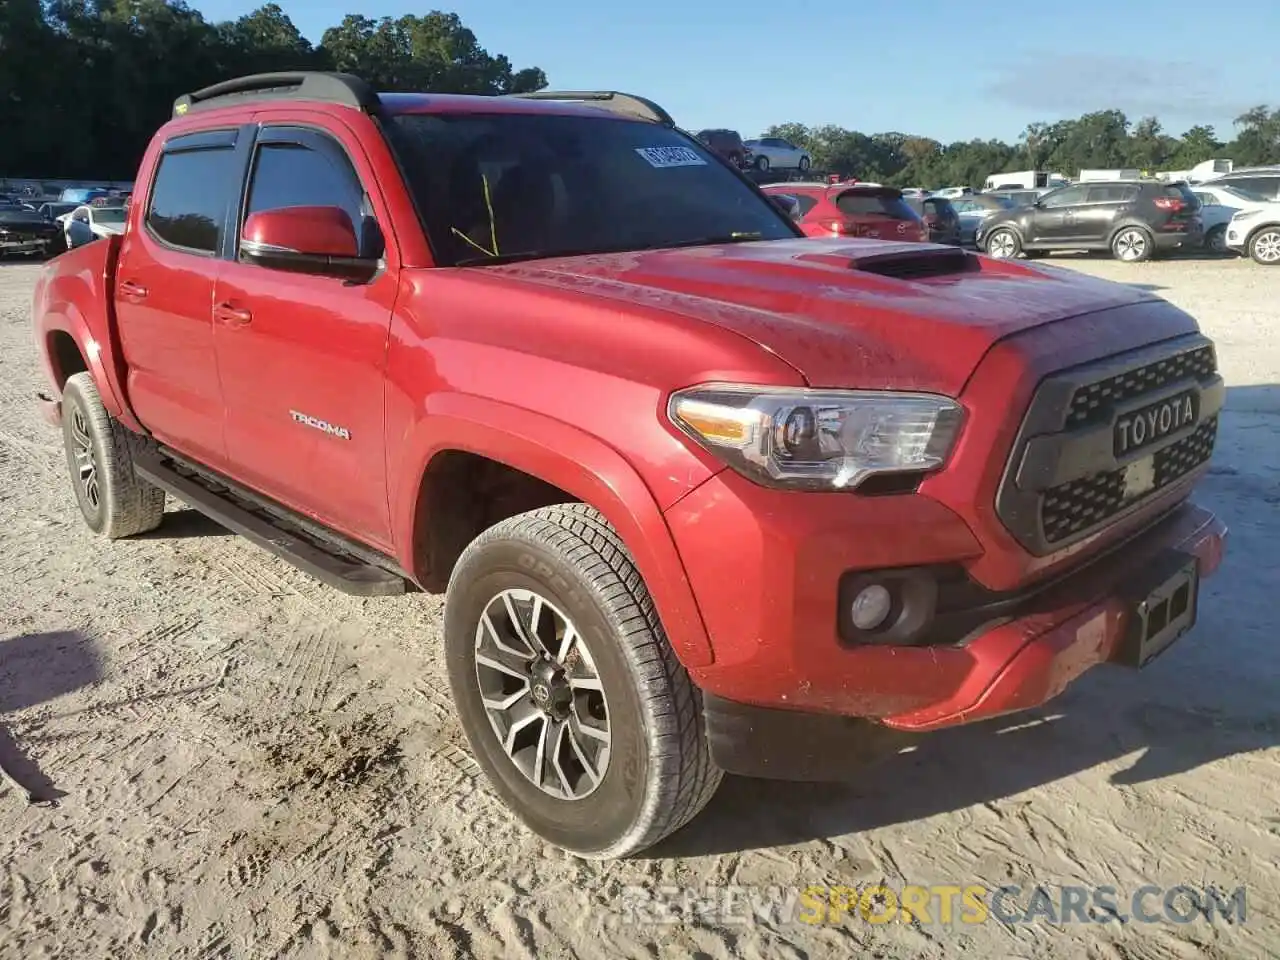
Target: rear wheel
(114, 501)
(1215, 241)
(805, 163)
(762, 164)
(1264, 246)
(1132, 245)
(1003, 244)
(572, 700)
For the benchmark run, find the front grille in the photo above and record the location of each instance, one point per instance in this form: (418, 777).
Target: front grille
(1080, 505)
(1063, 481)
(1090, 403)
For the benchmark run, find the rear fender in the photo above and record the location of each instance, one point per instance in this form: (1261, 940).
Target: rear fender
(576, 462)
(74, 297)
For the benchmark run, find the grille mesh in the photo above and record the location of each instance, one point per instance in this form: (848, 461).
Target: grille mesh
(1078, 505)
(1091, 404)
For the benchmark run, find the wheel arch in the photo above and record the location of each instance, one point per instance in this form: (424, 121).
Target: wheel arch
(564, 458)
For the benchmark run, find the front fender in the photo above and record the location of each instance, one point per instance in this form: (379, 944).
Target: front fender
(577, 463)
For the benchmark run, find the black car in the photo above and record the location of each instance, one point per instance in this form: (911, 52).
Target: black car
(940, 216)
(25, 231)
(728, 144)
(1133, 219)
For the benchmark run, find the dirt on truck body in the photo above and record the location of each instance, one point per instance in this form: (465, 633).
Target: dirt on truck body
(702, 494)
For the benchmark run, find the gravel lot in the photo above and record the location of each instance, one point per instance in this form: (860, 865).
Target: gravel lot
(253, 766)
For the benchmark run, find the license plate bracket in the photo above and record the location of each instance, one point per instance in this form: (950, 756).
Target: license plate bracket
(1163, 605)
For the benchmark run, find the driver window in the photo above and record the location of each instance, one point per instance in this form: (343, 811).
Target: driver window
(1064, 198)
(293, 175)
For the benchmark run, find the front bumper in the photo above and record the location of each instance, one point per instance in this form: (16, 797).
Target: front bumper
(766, 581)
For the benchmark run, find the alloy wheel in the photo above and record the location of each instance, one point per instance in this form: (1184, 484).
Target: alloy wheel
(1001, 245)
(1266, 247)
(86, 459)
(1131, 245)
(542, 694)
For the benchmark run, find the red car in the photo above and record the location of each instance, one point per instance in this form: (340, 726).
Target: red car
(698, 490)
(854, 210)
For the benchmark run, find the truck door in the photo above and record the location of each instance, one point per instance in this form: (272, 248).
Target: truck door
(303, 355)
(164, 285)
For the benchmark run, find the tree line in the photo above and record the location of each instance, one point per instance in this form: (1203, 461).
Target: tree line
(1105, 139)
(85, 83)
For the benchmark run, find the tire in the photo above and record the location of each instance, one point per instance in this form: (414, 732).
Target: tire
(805, 164)
(568, 563)
(1264, 246)
(1003, 244)
(113, 500)
(1215, 241)
(1132, 245)
(762, 163)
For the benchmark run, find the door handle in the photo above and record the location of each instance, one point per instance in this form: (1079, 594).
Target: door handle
(232, 315)
(132, 290)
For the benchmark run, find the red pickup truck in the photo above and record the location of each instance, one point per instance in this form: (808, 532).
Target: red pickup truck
(704, 495)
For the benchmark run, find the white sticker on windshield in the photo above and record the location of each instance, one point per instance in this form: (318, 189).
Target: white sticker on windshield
(671, 156)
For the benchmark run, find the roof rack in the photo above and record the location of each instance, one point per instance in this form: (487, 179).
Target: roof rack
(341, 88)
(626, 103)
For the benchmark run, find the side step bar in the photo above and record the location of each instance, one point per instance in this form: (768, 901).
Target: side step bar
(326, 558)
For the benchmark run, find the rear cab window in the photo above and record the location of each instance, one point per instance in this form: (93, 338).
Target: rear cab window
(195, 183)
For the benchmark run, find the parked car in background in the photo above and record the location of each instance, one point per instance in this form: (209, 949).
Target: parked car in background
(951, 193)
(1218, 204)
(1134, 219)
(916, 192)
(24, 231)
(853, 210)
(974, 210)
(89, 222)
(728, 144)
(1256, 233)
(939, 216)
(1264, 181)
(779, 154)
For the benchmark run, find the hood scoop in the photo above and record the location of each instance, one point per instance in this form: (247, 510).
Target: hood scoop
(905, 264)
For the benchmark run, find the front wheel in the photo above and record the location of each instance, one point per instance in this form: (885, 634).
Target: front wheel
(1264, 246)
(762, 164)
(805, 163)
(1132, 245)
(572, 700)
(114, 501)
(1003, 244)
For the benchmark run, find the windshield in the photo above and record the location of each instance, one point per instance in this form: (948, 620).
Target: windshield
(17, 215)
(500, 187)
(109, 215)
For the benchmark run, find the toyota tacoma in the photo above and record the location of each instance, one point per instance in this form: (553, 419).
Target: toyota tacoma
(703, 495)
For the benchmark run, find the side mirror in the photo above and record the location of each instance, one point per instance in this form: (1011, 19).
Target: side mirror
(315, 240)
(787, 204)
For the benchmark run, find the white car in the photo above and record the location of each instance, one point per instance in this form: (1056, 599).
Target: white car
(88, 222)
(1256, 233)
(778, 154)
(1219, 202)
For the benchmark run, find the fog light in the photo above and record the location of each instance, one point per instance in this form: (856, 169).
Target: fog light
(870, 608)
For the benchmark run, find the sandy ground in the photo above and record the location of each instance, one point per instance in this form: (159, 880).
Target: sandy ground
(253, 766)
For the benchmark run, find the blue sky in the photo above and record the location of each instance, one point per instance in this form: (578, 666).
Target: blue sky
(947, 70)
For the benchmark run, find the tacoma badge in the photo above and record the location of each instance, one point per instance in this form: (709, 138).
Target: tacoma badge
(342, 433)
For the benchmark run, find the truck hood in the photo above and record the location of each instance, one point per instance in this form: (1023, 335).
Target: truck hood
(844, 313)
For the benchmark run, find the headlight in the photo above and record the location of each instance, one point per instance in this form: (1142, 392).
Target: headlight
(1245, 214)
(818, 439)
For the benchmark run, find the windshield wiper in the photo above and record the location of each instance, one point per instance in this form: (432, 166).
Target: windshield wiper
(739, 236)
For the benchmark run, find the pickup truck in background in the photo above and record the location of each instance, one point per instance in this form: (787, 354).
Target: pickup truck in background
(703, 495)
